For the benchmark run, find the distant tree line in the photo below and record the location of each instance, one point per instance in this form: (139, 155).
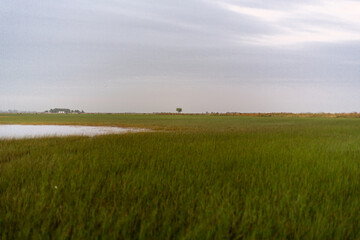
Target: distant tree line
(64, 110)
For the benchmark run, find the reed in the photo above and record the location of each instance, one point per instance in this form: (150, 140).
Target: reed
(201, 177)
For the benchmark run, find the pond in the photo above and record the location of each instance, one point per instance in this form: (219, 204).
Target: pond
(30, 131)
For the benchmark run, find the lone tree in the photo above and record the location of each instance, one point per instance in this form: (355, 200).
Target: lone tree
(179, 110)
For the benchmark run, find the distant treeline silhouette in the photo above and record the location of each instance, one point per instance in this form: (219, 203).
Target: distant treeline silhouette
(64, 110)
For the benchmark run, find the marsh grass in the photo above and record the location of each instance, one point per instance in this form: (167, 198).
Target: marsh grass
(218, 177)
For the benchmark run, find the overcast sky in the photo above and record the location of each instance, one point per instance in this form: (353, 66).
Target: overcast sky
(201, 55)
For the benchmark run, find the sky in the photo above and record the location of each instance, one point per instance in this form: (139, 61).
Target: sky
(200, 55)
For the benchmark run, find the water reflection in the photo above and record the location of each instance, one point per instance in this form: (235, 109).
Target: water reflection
(29, 131)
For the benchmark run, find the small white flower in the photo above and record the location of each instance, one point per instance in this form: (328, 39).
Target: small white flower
(55, 187)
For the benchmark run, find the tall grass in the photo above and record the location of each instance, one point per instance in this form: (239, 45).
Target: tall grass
(218, 177)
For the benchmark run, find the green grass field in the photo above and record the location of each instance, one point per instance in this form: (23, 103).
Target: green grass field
(198, 177)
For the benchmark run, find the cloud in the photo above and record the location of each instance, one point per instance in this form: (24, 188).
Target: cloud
(263, 14)
(322, 21)
(123, 55)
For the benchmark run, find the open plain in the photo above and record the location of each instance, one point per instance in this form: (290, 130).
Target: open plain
(195, 177)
